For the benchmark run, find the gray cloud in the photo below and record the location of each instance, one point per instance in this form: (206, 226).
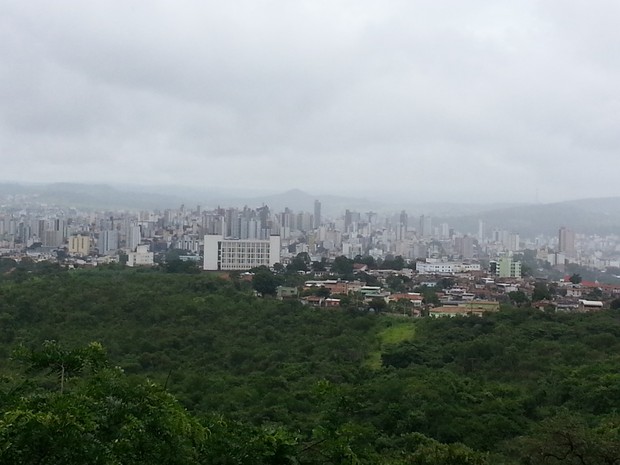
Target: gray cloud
(440, 100)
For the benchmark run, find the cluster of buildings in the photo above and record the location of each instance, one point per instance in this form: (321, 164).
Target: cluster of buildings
(470, 292)
(484, 265)
(233, 238)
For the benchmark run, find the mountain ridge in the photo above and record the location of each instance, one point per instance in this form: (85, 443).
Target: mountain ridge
(588, 215)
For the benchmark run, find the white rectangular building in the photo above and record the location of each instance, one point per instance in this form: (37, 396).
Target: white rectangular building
(141, 257)
(429, 267)
(239, 254)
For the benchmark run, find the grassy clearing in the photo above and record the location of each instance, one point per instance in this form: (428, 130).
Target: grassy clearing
(396, 333)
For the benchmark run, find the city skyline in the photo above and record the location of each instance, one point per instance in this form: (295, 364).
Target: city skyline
(241, 238)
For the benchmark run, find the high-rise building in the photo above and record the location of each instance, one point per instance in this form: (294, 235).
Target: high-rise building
(404, 219)
(514, 242)
(444, 230)
(134, 237)
(348, 219)
(426, 226)
(566, 241)
(54, 235)
(317, 214)
(480, 231)
(465, 247)
(108, 242)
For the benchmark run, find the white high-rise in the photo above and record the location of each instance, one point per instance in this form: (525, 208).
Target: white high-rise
(134, 237)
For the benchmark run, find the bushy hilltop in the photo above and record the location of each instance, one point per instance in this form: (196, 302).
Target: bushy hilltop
(266, 381)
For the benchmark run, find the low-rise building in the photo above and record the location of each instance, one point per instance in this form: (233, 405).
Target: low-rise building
(452, 311)
(141, 257)
(440, 267)
(239, 254)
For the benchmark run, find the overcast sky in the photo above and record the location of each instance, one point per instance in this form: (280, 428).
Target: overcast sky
(447, 100)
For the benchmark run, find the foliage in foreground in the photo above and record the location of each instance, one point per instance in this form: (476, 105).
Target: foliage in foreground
(276, 382)
(96, 415)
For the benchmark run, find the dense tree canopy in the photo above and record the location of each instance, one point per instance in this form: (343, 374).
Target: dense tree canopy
(267, 381)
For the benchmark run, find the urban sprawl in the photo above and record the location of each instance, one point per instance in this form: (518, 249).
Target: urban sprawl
(382, 262)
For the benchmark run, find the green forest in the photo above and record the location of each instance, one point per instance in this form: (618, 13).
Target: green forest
(118, 366)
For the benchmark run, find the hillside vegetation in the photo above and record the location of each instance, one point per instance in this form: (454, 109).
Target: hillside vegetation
(267, 381)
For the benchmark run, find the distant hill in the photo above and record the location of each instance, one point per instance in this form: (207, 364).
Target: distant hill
(98, 196)
(588, 216)
(583, 215)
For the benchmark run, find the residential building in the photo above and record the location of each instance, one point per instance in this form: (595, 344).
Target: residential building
(317, 214)
(566, 241)
(141, 257)
(426, 226)
(108, 242)
(134, 237)
(505, 267)
(79, 245)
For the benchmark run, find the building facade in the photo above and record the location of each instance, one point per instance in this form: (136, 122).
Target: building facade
(239, 254)
(317, 214)
(108, 242)
(141, 257)
(432, 267)
(79, 245)
(505, 267)
(566, 241)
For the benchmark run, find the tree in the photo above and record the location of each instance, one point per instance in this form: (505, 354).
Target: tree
(342, 266)
(300, 263)
(322, 291)
(319, 266)
(265, 282)
(518, 298)
(431, 452)
(64, 363)
(395, 283)
(541, 292)
(123, 258)
(575, 278)
(181, 266)
(393, 263)
(368, 260)
(378, 304)
(368, 279)
(445, 283)
(7, 264)
(595, 294)
(429, 295)
(105, 419)
(568, 439)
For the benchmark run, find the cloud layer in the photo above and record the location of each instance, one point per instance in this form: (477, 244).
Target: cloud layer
(445, 100)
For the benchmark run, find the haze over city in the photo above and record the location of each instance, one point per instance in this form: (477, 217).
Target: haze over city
(448, 101)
